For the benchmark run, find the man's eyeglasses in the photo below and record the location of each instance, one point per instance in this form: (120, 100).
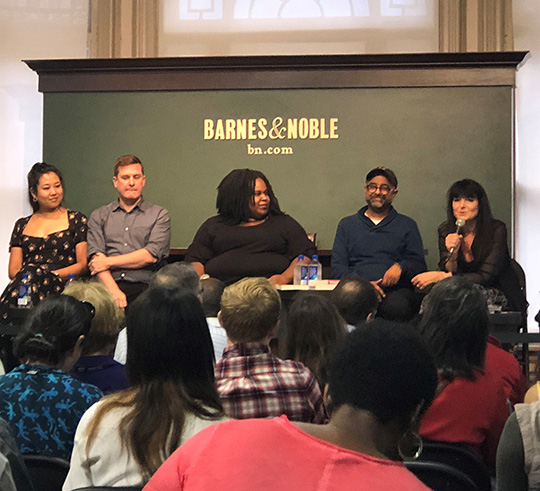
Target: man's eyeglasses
(383, 188)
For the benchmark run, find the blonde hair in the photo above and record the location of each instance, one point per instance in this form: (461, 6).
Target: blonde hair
(108, 319)
(250, 309)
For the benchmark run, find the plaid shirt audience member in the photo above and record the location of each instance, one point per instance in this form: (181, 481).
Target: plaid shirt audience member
(253, 383)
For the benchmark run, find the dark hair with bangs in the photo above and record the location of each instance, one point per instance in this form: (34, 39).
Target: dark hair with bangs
(170, 365)
(467, 188)
(38, 170)
(455, 326)
(235, 193)
(384, 368)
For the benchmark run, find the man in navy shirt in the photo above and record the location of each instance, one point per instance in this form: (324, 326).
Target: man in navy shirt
(382, 246)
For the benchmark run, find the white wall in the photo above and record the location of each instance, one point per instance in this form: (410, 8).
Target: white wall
(527, 38)
(28, 30)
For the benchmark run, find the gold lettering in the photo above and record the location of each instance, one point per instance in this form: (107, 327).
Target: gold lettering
(313, 128)
(292, 129)
(263, 132)
(303, 129)
(208, 129)
(324, 135)
(251, 129)
(230, 134)
(241, 129)
(333, 128)
(220, 133)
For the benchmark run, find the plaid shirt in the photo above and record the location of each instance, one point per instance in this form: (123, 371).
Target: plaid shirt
(253, 383)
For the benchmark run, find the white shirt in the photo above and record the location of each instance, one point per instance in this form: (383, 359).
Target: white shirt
(219, 336)
(120, 352)
(108, 463)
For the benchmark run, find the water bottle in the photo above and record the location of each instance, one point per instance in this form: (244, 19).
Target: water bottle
(301, 272)
(24, 301)
(71, 278)
(315, 269)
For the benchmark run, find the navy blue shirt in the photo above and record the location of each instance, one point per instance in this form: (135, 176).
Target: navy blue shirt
(101, 371)
(364, 249)
(43, 406)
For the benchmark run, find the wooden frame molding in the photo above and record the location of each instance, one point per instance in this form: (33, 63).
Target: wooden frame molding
(124, 28)
(475, 25)
(278, 72)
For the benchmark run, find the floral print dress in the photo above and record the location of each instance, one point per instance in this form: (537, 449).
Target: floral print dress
(42, 256)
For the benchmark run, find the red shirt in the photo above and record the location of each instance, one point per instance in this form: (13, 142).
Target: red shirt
(274, 455)
(505, 366)
(470, 412)
(253, 383)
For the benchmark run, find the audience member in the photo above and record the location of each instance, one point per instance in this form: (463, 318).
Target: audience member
(314, 330)
(356, 300)
(211, 291)
(177, 275)
(128, 238)
(17, 467)
(471, 405)
(383, 246)
(518, 454)
(124, 439)
(42, 403)
(378, 396)
(96, 365)
(252, 382)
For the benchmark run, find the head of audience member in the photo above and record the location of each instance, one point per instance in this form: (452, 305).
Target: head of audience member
(129, 179)
(250, 311)
(356, 300)
(382, 380)
(211, 292)
(108, 318)
(381, 189)
(179, 340)
(170, 363)
(54, 332)
(179, 275)
(314, 330)
(45, 187)
(455, 327)
(473, 192)
(245, 195)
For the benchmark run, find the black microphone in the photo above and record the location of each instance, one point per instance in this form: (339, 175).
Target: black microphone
(460, 223)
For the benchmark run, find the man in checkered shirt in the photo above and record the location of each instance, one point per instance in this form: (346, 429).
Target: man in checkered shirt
(252, 382)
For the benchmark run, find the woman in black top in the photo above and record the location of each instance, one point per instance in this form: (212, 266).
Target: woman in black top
(250, 236)
(478, 251)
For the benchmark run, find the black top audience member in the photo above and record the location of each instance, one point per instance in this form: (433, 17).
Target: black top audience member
(356, 300)
(96, 365)
(180, 276)
(380, 383)
(124, 439)
(42, 403)
(478, 251)
(250, 235)
(314, 331)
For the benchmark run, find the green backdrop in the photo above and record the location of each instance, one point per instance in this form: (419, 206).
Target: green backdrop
(430, 137)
